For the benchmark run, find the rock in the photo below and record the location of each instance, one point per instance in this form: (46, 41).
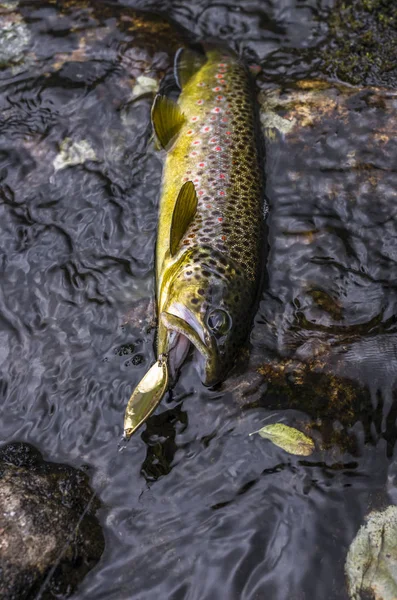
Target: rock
(50, 537)
(14, 36)
(362, 42)
(73, 153)
(144, 85)
(141, 314)
(371, 564)
(141, 44)
(330, 178)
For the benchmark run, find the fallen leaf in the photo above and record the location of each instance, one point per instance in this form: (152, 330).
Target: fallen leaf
(288, 438)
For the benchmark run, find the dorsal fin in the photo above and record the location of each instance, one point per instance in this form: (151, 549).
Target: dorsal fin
(184, 211)
(167, 119)
(186, 64)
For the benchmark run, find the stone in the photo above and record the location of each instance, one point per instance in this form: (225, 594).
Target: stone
(49, 535)
(371, 564)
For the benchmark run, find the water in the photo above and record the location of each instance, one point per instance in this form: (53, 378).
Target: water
(194, 508)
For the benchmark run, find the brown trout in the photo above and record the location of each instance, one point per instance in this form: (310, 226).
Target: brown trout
(210, 234)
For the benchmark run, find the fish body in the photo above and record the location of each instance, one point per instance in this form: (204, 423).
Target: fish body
(209, 253)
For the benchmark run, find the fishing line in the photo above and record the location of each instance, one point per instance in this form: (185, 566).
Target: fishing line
(65, 547)
(121, 446)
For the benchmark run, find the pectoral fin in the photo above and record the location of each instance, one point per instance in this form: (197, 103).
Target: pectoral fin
(167, 119)
(186, 64)
(146, 396)
(184, 211)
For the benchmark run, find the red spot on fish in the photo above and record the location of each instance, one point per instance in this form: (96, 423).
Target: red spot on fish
(213, 141)
(222, 81)
(224, 119)
(213, 118)
(206, 129)
(228, 133)
(200, 101)
(197, 142)
(220, 219)
(222, 193)
(201, 192)
(219, 76)
(216, 89)
(220, 98)
(208, 206)
(222, 65)
(193, 154)
(218, 148)
(189, 132)
(216, 109)
(185, 179)
(223, 238)
(201, 164)
(222, 176)
(194, 118)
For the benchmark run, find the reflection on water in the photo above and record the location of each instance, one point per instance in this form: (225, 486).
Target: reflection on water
(194, 508)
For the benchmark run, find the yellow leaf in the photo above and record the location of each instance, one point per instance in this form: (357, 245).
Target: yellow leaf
(288, 438)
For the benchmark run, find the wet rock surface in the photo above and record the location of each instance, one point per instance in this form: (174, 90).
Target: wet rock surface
(371, 564)
(331, 151)
(362, 42)
(50, 537)
(14, 35)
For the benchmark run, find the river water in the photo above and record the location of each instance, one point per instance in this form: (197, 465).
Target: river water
(194, 508)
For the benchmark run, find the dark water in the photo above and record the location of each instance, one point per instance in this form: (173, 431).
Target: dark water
(194, 508)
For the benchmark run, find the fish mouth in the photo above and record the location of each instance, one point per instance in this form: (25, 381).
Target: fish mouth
(185, 329)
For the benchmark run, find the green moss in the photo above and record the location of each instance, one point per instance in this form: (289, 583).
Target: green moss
(362, 42)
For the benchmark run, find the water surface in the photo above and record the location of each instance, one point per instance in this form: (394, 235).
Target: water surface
(194, 508)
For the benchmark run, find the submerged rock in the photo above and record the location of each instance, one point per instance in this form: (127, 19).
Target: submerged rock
(327, 311)
(73, 153)
(50, 537)
(362, 42)
(371, 564)
(14, 36)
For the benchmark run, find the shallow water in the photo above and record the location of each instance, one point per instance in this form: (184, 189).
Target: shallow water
(194, 508)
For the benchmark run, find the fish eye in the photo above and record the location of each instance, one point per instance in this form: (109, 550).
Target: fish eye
(219, 322)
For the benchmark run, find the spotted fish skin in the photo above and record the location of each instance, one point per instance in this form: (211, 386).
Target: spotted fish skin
(218, 264)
